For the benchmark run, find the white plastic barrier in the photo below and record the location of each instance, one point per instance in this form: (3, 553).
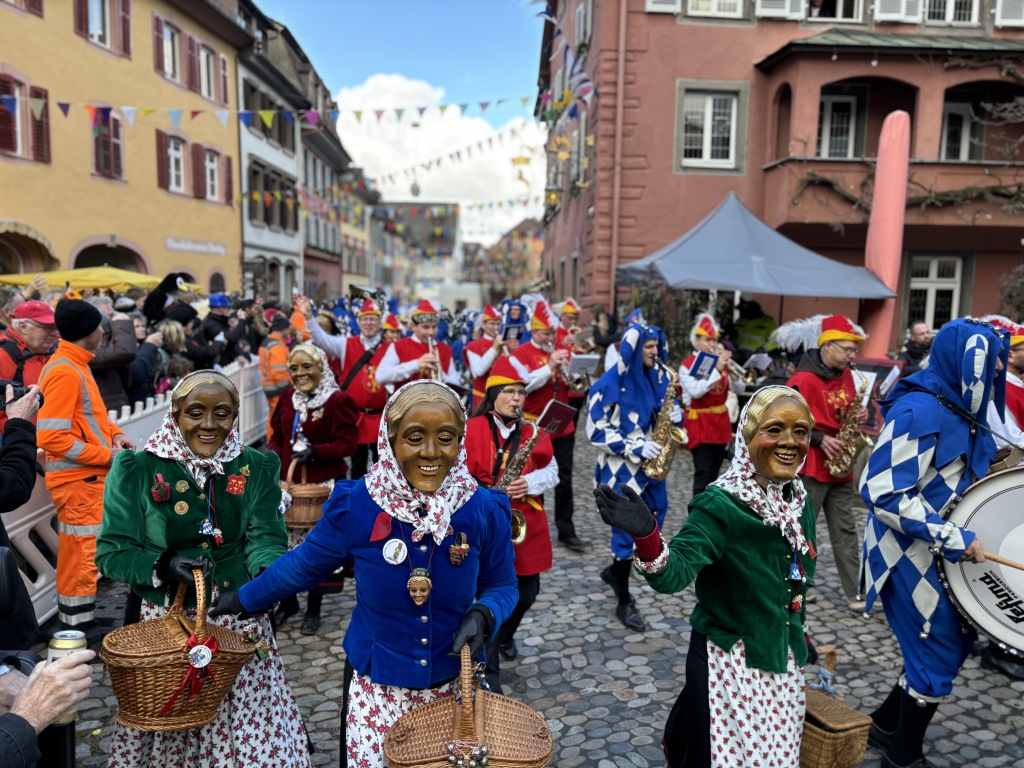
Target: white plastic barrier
(31, 526)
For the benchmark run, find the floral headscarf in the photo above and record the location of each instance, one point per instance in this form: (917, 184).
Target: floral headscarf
(389, 488)
(304, 403)
(770, 502)
(168, 443)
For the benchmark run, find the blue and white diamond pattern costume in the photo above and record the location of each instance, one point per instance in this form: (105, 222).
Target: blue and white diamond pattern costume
(927, 454)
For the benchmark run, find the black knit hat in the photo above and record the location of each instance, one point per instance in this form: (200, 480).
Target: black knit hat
(75, 319)
(279, 322)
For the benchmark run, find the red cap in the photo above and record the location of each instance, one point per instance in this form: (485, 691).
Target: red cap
(490, 313)
(570, 306)
(391, 323)
(542, 319)
(503, 372)
(839, 328)
(369, 308)
(39, 311)
(425, 308)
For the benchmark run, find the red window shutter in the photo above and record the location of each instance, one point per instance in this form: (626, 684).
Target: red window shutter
(193, 63)
(82, 18)
(117, 168)
(126, 27)
(8, 135)
(163, 171)
(225, 97)
(34, 6)
(198, 171)
(41, 127)
(229, 182)
(101, 142)
(158, 44)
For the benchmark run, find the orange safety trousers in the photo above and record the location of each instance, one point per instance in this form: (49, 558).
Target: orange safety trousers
(79, 514)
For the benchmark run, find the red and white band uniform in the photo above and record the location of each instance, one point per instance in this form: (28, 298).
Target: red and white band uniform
(400, 363)
(369, 396)
(707, 418)
(542, 384)
(533, 555)
(479, 356)
(828, 401)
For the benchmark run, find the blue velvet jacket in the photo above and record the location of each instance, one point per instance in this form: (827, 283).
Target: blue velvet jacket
(390, 639)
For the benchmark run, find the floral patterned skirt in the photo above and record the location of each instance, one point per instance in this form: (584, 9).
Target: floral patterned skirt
(757, 717)
(373, 709)
(258, 723)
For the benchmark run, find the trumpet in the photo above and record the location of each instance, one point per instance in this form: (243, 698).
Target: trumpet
(578, 382)
(737, 371)
(582, 340)
(434, 373)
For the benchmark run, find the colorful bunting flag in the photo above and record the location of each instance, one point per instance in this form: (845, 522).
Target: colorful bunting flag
(246, 117)
(64, 107)
(222, 115)
(312, 116)
(37, 105)
(129, 115)
(10, 103)
(195, 113)
(147, 111)
(267, 116)
(175, 115)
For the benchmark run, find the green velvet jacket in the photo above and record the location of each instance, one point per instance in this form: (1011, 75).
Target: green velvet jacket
(137, 529)
(740, 566)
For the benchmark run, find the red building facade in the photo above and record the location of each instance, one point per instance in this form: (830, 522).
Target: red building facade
(659, 108)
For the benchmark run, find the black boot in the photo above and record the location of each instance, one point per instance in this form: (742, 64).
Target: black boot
(617, 575)
(907, 747)
(885, 720)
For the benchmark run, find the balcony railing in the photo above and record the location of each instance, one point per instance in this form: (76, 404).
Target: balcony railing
(812, 190)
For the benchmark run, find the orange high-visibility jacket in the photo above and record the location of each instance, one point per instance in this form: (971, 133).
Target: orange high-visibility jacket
(73, 426)
(274, 364)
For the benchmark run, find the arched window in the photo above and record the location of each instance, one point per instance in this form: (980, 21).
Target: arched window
(217, 283)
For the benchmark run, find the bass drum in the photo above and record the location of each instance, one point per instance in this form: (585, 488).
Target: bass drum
(991, 596)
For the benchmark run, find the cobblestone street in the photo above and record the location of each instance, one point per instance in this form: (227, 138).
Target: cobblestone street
(606, 691)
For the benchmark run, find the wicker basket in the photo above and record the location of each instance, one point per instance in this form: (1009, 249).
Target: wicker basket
(835, 735)
(149, 664)
(514, 735)
(307, 500)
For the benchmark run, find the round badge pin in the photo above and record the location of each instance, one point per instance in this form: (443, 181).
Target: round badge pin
(181, 486)
(200, 656)
(181, 508)
(395, 551)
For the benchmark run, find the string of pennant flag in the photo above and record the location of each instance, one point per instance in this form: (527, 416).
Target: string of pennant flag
(247, 116)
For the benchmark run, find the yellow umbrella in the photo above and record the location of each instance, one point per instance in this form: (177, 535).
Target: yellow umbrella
(106, 278)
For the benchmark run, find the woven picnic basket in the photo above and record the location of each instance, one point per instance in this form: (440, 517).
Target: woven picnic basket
(149, 664)
(835, 734)
(473, 725)
(307, 499)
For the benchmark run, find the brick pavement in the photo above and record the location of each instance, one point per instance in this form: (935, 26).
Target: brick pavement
(606, 691)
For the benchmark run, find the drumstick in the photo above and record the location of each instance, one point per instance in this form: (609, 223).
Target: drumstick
(1004, 561)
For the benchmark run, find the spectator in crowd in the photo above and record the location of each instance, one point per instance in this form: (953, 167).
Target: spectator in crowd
(113, 357)
(10, 298)
(141, 368)
(171, 364)
(103, 303)
(50, 691)
(26, 345)
(80, 445)
(138, 296)
(274, 360)
(126, 305)
(203, 354)
(919, 344)
(141, 324)
(256, 328)
(17, 480)
(217, 327)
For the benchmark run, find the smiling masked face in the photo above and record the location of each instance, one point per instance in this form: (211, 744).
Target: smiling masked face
(782, 440)
(304, 372)
(205, 417)
(426, 445)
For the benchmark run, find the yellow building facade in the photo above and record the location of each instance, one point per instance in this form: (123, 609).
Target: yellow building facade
(122, 146)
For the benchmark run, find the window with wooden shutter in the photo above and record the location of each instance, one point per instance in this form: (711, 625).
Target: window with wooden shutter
(82, 18)
(229, 182)
(176, 163)
(162, 175)
(107, 145)
(40, 125)
(192, 63)
(224, 96)
(116, 148)
(126, 27)
(34, 6)
(198, 171)
(1010, 13)
(8, 122)
(158, 44)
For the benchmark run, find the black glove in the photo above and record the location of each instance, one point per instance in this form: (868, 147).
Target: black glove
(475, 629)
(228, 602)
(628, 513)
(306, 455)
(172, 566)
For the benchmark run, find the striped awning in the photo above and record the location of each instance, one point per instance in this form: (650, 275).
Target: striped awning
(9, 226)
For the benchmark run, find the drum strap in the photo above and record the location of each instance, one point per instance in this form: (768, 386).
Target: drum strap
(975, 424)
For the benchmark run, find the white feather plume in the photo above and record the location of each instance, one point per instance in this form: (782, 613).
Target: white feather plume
(798, 335)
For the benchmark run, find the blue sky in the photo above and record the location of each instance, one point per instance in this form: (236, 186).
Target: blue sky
(476, 50)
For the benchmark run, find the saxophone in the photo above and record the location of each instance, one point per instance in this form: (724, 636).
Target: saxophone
(665, 433)
(512, 472)
(841, 464)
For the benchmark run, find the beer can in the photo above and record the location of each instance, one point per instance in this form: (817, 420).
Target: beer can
(61, 644)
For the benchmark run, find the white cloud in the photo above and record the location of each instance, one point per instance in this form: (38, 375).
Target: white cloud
(389, 146)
